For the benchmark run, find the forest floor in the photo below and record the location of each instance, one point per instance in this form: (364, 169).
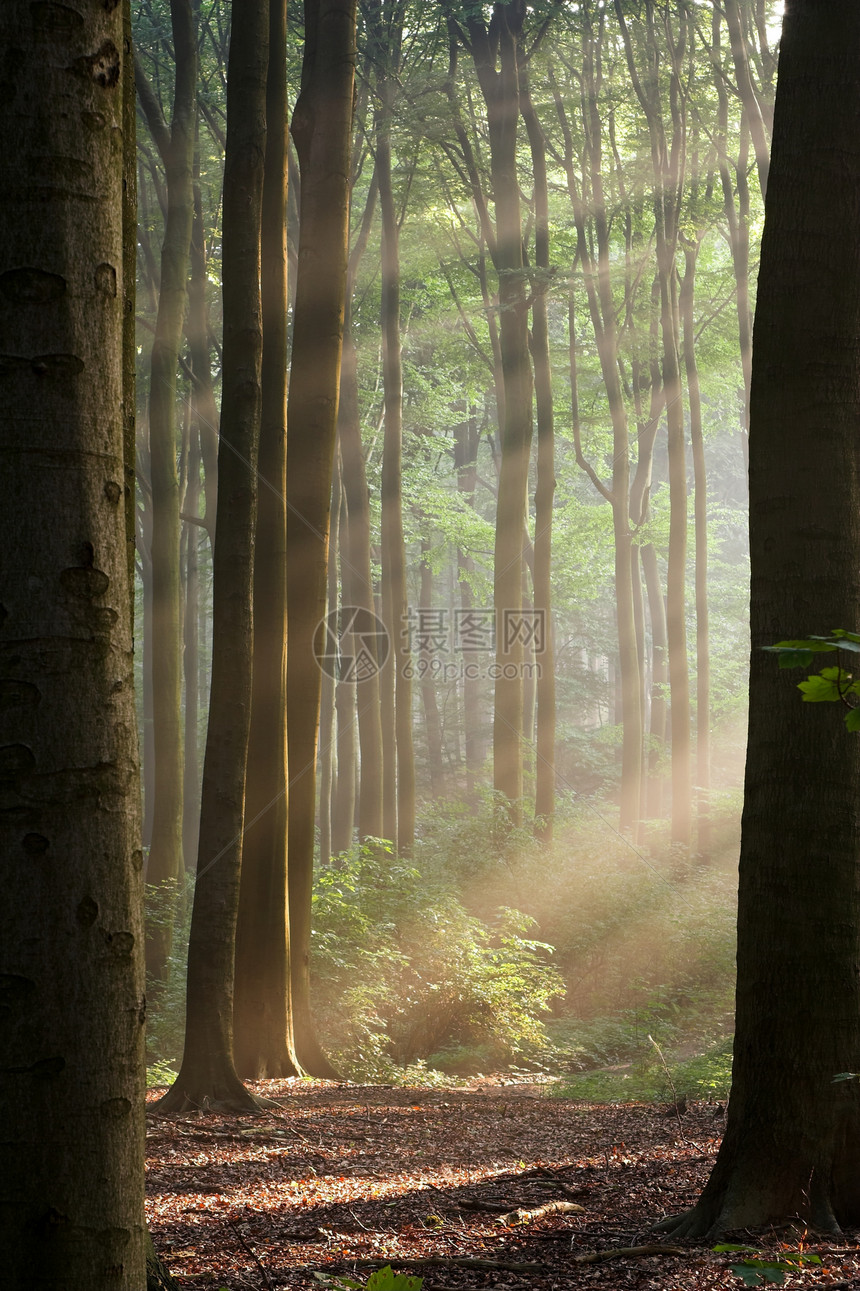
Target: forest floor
(342, 1179)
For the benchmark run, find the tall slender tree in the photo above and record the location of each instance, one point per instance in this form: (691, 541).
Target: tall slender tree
(175, 143)
(664, 109)
(493, 46)
(545, 482)
(208, 1071)
(385, 22)
(356, 575)
(321, 125)
(262, 1022)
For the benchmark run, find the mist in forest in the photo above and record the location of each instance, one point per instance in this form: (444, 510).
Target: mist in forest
(500, 600)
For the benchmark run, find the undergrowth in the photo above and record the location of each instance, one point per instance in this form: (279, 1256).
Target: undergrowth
(478, 954)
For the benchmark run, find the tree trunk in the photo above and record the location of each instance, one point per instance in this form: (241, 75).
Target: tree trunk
(668, 158)
(746, 89)
(262, 1013)
(207, 1076)
(465, 461)
(321, 130)
(328, 760)
(144, 543)
(71, 952)
(500, 89)
(659, 680)
(344, 799)
(203, 394)
(597, 273)
(357, 590)
(545, 487)
(191, 657)
(176, 147)
(394, 592)
(737, 220)
(793, 1131)
(432, 721)
(700, 512)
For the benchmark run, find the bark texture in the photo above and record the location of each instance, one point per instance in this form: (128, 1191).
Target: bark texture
(793, 1133)
(71, 952)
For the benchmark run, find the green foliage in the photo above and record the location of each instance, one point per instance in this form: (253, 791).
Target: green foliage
(758, 1270)
(381, 1280)
(706, 1076)
(168, 904)
(401, 970)
(830, 685)
(158, 1074)
(442, 964)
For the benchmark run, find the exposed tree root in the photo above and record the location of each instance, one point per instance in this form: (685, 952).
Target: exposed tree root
(702, 1224)
(158, 1278)
(230, 1098)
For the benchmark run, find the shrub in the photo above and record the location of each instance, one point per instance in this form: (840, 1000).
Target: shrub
(401, 970)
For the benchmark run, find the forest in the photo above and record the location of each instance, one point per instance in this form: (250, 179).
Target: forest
(409, 564)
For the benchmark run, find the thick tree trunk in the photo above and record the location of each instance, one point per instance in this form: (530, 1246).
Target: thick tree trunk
(321, 130)
(176, 146)
(71, 952)
(262, 1012)
(207, 1075)
(792, 1140)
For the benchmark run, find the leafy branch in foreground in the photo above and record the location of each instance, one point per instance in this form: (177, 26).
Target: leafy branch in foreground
(830, 685)
(757, 1270)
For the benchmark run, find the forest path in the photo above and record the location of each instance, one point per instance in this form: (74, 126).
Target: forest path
(342, 1175)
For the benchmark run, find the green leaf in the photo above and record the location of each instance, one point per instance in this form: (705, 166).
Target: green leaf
(748, 1274)
(821, 687)
(846, 1075)
(793, 658)
(852, 719)
(725, 1247)
(818, 691)
(809, 645)
(387, 1280)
